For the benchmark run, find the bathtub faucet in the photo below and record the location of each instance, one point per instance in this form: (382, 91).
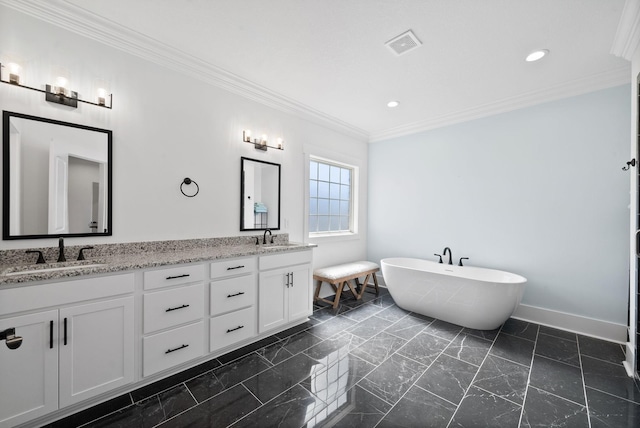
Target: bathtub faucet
(444, 253)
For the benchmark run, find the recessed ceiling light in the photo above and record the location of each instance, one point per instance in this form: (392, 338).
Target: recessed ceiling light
(393, 104)
(536, 55)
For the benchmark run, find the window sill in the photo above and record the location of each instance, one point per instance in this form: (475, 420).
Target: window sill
(333, 237)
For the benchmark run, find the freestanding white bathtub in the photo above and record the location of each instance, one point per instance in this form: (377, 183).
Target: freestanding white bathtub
(469, 296)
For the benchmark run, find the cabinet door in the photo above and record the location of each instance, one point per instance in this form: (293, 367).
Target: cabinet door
(300, 303)
(29, 374)
(272, 295)
(98, 353)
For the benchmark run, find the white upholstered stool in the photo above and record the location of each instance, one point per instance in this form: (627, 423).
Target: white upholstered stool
(339, 276)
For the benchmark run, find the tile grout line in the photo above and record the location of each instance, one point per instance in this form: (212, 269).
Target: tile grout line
(475, 376)
(584, 384)
(526, 390)
(422, 374)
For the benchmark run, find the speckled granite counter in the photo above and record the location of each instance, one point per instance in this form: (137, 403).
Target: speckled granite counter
(17, 268)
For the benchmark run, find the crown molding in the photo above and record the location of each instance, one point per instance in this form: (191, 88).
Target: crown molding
(77, 20)
(82, 22)
(575, 87)
(627, 36)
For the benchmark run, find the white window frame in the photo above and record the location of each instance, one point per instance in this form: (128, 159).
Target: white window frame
(317, 237)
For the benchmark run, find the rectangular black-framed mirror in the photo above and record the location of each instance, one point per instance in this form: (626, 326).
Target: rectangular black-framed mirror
(259, 195)
(56, 178)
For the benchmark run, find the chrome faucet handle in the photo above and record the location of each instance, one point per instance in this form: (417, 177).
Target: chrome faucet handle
(439, 256)
(461, 259)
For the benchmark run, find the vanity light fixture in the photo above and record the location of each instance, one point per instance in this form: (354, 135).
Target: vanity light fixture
(537, 55)
(14, 73)
(262, 142)
(58, 93)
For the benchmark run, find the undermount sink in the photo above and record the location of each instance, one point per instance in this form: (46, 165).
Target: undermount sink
(25, 270)
(266, 247)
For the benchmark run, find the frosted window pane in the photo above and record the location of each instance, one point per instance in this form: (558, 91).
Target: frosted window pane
(323, 172)
(345, 176)
(335, 223)
(323, 189)
(344, 223)
(313, 188)
(344, 208)
(345, 193)
(313, 206)
(313, 170)
(323, 223)
(334, 207)
(313, 223)
(335, 174)
(334, 191)
(323, 206)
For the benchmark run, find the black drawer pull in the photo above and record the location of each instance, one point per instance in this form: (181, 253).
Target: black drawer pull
(176, 308)
(65, 332)
(50, 334)
(234, 295)
(178, 276)
(235, 267)
(234, 329)
(175, 349)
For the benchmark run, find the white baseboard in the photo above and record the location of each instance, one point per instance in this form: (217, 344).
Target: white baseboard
(574, 323)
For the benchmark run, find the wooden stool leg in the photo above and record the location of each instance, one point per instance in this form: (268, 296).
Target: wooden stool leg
(317, 293)
(336, 301)
(364, 286)
(375, 282)
(353, 290)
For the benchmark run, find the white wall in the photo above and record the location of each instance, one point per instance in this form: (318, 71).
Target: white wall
(166, 126)
(537, 191)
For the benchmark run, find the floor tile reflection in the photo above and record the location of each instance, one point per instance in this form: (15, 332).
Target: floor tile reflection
(369, 363)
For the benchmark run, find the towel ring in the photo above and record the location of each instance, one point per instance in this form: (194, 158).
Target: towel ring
(188, 181)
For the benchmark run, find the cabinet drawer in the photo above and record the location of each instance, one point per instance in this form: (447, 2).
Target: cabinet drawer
(232, 267)
(228, 329)
(173, 307)
(165, 350)
(233, 293)
(287, 259)
(173, 276)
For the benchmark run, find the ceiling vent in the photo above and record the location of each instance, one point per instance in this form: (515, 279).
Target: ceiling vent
(403, 43)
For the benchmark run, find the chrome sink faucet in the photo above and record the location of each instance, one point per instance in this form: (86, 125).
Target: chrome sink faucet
(61, 257)
(444, 253)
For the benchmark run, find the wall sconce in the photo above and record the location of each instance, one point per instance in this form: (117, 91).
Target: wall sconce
(262, 142)
(58, 93)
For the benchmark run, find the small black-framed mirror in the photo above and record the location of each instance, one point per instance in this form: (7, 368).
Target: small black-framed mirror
(57, 178)
(259, 195)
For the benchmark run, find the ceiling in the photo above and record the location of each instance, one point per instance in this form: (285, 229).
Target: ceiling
(326, 58)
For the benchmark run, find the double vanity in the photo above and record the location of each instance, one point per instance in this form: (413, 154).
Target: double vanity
(134, 313)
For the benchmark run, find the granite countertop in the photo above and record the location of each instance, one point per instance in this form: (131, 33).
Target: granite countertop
(127, 259)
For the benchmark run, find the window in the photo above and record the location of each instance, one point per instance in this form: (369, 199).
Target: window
(331, 187)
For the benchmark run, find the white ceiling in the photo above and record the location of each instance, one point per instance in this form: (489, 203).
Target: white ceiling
(327, 58)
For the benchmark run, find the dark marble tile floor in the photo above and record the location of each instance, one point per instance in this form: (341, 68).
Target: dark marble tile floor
(369, 363)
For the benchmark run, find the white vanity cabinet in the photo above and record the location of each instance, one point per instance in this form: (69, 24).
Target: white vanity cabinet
(232, 302)
(285, 289)
(173, 310)
(80, 344)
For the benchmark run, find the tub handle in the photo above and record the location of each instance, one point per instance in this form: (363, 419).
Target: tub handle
(461, 259)
(440, 256)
